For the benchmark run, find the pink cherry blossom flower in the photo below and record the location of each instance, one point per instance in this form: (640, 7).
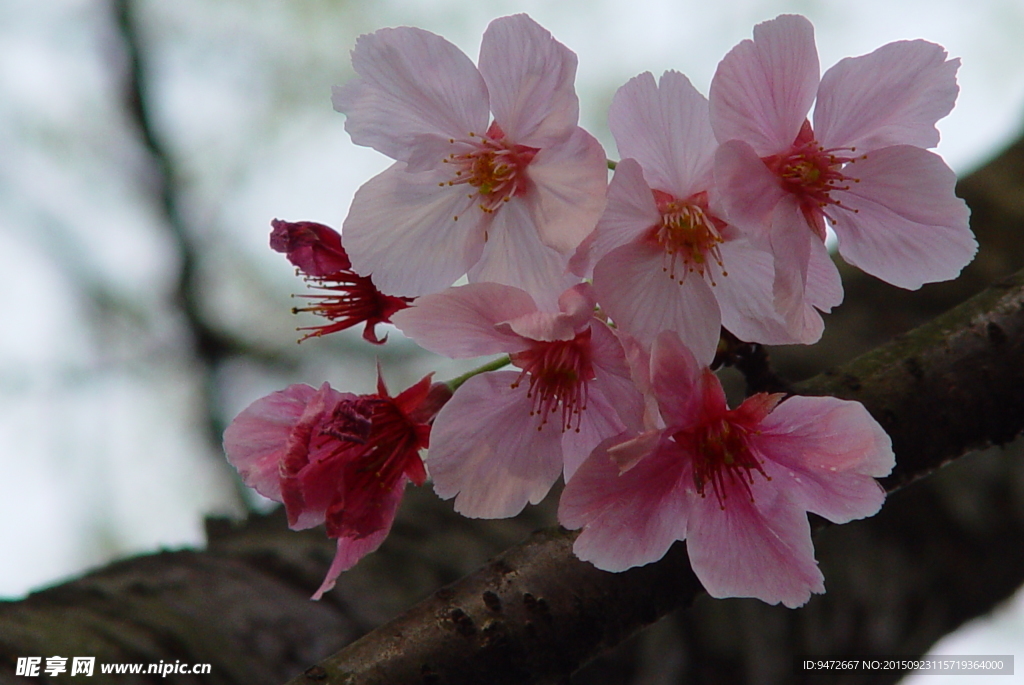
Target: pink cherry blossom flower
(336, 458)
(665, 260)
(861, 167)
(345, 298)
(734, 483)
(506, 200)
(505, 436)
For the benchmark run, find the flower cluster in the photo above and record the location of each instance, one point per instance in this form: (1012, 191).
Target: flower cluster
(608, 300)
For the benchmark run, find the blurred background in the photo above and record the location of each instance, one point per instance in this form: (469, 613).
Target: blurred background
(145, 146)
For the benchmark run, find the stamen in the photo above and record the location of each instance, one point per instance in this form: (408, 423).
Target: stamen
(722, 457)
(812, 172)
(689, 233)
(493, 166)
(560, 372)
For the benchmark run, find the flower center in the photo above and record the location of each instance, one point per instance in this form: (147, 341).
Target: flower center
(689, 234)
(811, 172)
(347, 300)
(559, 372)
(723, 457)
(493, 166)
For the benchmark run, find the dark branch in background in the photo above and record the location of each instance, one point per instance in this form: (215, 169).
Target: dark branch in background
(211, 347)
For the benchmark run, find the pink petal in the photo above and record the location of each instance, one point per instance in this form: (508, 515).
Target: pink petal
(665, 127)
(747, 189)
(613, 402)
(824, 285)
(745, 298)
(410, 83)
(905, 225)
(631, 212)
(351, 550)
(792, 243)
(486, 449)
(628, 519)
(462, 322)
(576, 307)
(256, 440)
(614, 375)
(637, 293)
(599, 421)
(401, 230)
(530, 78)
(569, 181)
(756, 549)
(764, 88)
(514, 255)
(892, 96)
(826, 453)
(680, 382)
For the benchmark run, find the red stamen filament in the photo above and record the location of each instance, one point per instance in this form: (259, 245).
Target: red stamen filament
(723, 458)
(559, 373)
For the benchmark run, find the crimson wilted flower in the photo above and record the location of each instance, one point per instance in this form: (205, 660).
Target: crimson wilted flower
(345, 298)
(734, 483)
(336, 458)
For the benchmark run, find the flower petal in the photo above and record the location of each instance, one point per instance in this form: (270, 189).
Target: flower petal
(256, 440)
(748, 190)
(892, 96)
(530, 77)
(628, 519)
(613, 402)
(826, 453)
(569, 182)
(402, 231)
(641, 298)
(746, 301)
(351, 549)
(410, 83)
(756, 549)
(905, 225)
(514, 255)
(486, 449)
(666, 127)
(792, 243)
(631, 212)
(680, 383)
(763, 88)
(462, 322)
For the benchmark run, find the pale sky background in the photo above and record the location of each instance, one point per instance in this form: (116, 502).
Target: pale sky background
(101, 444)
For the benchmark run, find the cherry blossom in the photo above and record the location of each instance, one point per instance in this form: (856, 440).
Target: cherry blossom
(665, 259)
(861, 168)
(505, 200)
(336, 458)
(734, 483)
(344, 297)
(505, 436)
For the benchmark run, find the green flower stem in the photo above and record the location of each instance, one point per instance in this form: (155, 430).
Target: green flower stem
(612, 164)
(498, 363)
